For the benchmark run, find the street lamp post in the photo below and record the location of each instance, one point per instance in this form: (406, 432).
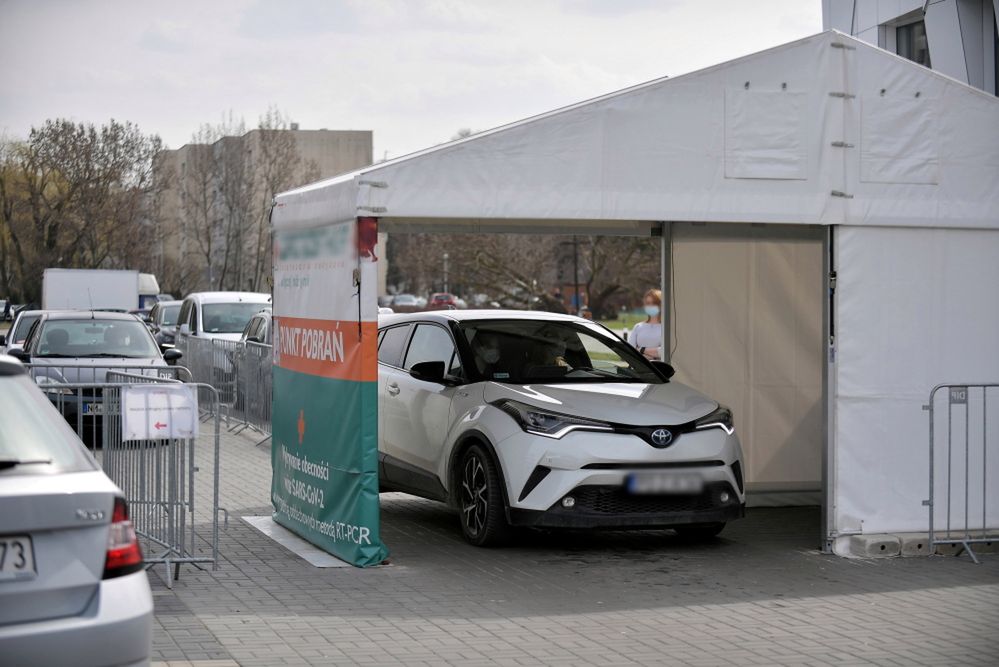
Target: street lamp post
(445, 273)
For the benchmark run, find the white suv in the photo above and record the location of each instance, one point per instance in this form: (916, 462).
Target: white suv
(543, 420)
(219, 315)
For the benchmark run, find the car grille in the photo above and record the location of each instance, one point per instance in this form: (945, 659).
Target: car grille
(615, 500)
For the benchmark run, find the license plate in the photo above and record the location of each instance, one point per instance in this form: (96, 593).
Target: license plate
(93, 408)
(664, 483)
(17, 558)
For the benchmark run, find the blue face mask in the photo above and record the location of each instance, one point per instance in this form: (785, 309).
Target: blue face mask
(652, 311)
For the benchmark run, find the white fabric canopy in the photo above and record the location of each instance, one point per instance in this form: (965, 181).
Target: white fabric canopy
(765, 138)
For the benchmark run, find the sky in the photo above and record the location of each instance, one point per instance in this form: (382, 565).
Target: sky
(413, 71)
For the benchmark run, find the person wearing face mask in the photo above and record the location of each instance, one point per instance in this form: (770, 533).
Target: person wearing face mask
(647, 335)
(487, 352)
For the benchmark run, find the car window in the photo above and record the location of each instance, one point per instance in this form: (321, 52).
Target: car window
(94, 338)
(34, 431)
(393, 340)
(228, 317)
(23, 326)
(432, 343)
(184, 317)
(168, 315)
(523, 351)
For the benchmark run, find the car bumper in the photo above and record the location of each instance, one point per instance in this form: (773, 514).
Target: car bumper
(612, 507)
(116, 628)
(593, 469)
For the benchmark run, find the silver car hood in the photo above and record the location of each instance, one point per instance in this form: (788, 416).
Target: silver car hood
(636, 404)
(89, 369)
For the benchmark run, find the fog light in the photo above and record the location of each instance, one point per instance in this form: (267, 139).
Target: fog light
(568, 502)
(723, 497)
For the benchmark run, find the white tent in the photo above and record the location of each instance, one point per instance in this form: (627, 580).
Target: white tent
(847, 161)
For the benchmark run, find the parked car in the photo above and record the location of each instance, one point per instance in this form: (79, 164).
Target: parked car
(80, 347)
(441, 301)
(14, 339)
(405, 303)
(221, 315)
(73, 590)
(165, 297)
(141, 313)
(163, 321)
(258, 329)
(519, 418)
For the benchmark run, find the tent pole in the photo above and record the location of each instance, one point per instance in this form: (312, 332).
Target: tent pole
(665, 277)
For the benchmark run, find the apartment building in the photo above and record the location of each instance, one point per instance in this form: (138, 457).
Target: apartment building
(212, 229)
(959, 38)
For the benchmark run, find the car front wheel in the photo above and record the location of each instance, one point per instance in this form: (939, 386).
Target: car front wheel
(480, 499)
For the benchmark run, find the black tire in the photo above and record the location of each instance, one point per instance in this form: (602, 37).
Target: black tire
(481, 508)
(700, 532)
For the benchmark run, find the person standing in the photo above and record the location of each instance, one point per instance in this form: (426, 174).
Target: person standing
(647, 336)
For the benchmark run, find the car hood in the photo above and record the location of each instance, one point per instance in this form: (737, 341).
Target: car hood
(635, 404)
(221, 336)
(89, 369)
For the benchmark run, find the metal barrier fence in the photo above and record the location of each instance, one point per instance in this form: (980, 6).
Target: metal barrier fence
(159, 476)
(252, 408)
(959, 492)
(240, 372)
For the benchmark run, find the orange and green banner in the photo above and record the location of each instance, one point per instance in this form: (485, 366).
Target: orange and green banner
(325, 414)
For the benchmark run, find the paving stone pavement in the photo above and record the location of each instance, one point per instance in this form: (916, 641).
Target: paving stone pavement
(761, 594)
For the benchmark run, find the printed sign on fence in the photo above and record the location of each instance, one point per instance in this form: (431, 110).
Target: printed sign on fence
(158, 411)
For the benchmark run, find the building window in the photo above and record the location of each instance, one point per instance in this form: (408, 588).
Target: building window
(911, 43)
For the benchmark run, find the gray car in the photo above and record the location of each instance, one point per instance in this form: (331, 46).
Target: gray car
(73, 348)
(73, 590)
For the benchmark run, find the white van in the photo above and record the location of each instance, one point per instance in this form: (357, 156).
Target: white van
(221, 315)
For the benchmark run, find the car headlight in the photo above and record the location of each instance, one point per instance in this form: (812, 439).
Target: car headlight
(52, 386)
(549, 424)
(720, 418)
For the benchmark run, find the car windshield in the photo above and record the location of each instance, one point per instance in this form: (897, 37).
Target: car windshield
(169, 316)
(96, 337)
(226, 318)
(553, 352)
(35, 439)
(23, 327)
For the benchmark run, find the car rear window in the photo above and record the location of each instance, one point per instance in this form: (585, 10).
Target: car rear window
(35, 434)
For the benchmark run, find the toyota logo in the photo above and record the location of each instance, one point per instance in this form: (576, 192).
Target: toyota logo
(661, 437)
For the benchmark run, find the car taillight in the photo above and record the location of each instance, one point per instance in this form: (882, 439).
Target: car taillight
(124, 554)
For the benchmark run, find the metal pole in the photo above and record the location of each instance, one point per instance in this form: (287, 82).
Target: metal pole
(445, 274)
(665, 282)
(575, 275)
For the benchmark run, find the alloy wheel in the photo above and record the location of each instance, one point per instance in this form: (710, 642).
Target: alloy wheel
(474, 495)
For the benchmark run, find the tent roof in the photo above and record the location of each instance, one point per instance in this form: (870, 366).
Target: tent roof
(824, 130)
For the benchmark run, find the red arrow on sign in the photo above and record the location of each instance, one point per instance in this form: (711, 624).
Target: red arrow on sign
(159, 426)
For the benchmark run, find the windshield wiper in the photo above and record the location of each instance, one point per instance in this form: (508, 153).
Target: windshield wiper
(54, 355)
(10, 463)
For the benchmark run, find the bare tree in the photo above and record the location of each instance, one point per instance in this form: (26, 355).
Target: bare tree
(71, 195)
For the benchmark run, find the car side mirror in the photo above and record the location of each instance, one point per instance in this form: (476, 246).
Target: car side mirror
(3, 339)
(666, 370)
(184, 329)
(430, 371)
(19, 354)
(171, 355)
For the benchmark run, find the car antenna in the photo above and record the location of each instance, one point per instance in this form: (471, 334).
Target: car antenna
(90, 297)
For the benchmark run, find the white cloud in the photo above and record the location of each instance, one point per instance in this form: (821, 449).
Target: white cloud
(412, 71)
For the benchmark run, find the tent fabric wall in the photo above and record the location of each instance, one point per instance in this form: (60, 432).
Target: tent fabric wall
(915, 308)
(748, 330)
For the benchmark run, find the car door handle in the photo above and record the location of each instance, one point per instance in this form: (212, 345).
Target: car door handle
(392, 388)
